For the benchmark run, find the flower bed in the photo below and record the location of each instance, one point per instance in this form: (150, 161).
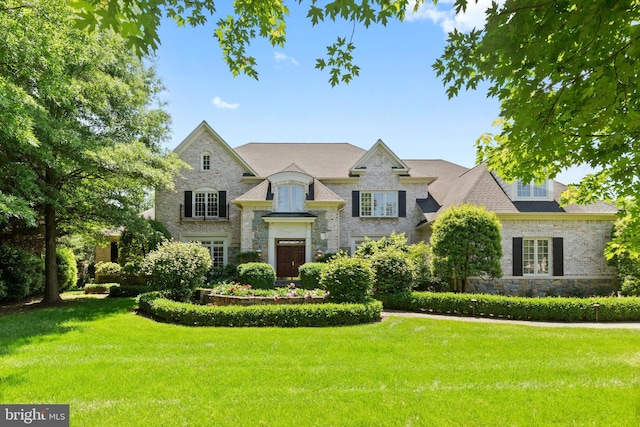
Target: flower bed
(237, 294)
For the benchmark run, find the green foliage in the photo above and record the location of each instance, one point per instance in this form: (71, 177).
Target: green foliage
(21, 273)
(107, 269)
(420, 254)
(626, 260)
(249, 256)
(139, 237)
(236, 289)
(466, 242)
(125, 291)
(630, 286)
(394, 272)
(82, 126)
(236, 31)
(325, 257)
(348, 279)
(100, 288)
(310, 273)
(370, 247)
(260, 275)
(548, 309)
(303, 315)
(177, 268)
(566, 77)
(225, 273)
(67, 269)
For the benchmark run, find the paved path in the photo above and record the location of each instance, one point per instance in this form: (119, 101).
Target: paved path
(626, 325)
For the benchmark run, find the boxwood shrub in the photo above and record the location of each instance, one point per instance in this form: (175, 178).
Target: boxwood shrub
(310, 274)
(100, 288)
(285, 315)
(348, 279)
(260, 275)
(550, 309)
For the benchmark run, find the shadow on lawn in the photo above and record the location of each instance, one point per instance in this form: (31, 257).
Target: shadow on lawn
(20, 326)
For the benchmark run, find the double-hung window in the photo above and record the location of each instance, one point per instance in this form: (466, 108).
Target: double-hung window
(205, 203)
(531, 190)
(378, 203)
(535, 256)
(290, 198)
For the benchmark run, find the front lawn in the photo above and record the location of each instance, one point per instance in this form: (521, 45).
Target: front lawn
(115, 368)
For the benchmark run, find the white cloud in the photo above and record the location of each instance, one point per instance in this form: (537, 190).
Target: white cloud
(279, 56)
(444, 14)
(219, 103)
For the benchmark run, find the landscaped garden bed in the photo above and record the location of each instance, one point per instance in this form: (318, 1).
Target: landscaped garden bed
(237, 294)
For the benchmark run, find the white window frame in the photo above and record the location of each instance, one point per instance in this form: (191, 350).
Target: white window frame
(535, 260)
(217, 246)
(532, 190)
(288, 200)
(205, 203)
(205, 161)
(379, 204)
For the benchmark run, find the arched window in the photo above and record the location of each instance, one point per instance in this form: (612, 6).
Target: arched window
(290, 198)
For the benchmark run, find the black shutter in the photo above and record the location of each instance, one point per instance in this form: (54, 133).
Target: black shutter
(355, 203)
(222, 204)
(517, 256)
(188, 204)
(402, 203)
(310, 195)
(269, 193)
(558, 256)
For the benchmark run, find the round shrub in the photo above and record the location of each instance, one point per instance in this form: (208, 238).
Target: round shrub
(394, 272)
(310, 274)
(21, 272)
(348, 279)
(260, 275)
(107, 272)
(67, 269)
(177, 268)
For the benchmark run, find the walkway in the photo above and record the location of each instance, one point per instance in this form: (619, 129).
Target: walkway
(622, 325)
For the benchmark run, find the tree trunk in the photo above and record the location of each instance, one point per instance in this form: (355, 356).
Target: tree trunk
(463, 285)
(51, 292)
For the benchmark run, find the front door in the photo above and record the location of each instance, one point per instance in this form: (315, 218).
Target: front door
(290, 255)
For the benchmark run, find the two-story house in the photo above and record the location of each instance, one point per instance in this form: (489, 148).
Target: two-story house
(294, 201)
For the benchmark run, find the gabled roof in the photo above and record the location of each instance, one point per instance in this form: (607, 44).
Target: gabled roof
(320, 160)
(379, 146)
(204, 127)
(480, 187)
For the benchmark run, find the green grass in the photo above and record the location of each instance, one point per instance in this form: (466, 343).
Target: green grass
(118, 369)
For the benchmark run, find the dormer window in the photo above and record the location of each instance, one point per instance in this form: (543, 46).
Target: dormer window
(206, 161)
(290, 198)
(532, 190)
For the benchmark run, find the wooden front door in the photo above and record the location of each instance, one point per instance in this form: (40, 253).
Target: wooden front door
(290, 255)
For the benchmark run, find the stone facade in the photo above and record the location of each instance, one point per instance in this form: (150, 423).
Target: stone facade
(328, 222)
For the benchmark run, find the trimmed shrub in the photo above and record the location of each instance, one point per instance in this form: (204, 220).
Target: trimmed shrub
(122, 291)
(103, 288)
(21, 272)
(67, 269)
(177, 268)
(107, 269)
(304, 315)
(394, 272)
(260, 275)
(548, 309)
(310, 274)
(348, 279)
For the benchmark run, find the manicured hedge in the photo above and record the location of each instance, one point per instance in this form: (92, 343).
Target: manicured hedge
(99, 288)
(518, 308)
(304, 315)
(128, 290)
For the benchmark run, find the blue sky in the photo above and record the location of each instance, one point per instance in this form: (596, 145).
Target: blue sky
(396, 98)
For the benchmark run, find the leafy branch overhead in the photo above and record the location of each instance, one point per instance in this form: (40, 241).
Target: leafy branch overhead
(138, 22)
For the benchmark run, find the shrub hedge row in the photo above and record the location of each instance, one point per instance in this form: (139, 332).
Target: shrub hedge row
(304, 315)
(128, 290)
(518, 308)
(99, 288)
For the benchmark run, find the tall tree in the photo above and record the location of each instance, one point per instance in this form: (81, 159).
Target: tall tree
(82, 126)
(566, 74)
(466, 242)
